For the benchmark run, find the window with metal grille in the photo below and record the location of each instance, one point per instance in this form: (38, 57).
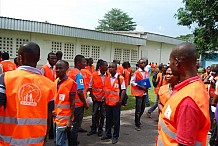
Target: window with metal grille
(68, 51)
(117, 54)
(95, 53)
(134, 56)
(6, 45)
(56, 46)
(126, 55)
(19, 42)
(85, 50)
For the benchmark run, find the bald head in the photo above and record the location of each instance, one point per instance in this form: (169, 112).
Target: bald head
(183, 61)
(185, 52)
(28, 54)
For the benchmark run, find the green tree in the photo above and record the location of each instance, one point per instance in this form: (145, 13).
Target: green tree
(203, 16)
(187, 38)
(116, 20)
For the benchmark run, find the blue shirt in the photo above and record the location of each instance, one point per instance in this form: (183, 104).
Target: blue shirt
(79, 81)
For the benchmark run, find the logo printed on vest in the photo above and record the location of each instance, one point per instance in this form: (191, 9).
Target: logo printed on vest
(81, 81)
(10, 67)
(29, 94)
(168, 112)
(61, 97)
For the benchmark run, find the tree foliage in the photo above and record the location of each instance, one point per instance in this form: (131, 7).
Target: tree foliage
(187, 38)
(116, 20)
(203, 15)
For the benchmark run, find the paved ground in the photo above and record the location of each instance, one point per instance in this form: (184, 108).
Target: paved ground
(128, 135)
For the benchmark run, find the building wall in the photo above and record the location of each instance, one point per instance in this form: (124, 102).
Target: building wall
(10, 41)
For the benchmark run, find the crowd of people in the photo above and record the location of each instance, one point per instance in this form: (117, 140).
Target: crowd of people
(51, 100)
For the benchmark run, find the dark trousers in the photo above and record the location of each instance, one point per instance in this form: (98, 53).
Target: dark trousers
(97, 106)
(78, 117)
(212, 115)
(139, 109)
(112, 119)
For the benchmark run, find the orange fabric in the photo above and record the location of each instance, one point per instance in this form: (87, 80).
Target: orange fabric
(86, 77)
(91, 69)
(197, 92)
(134, 89)
(49, 73)
(62, 101)
(120, 69)
(8, 65)
(112, 91)
(164, 94)
(97, 86)
(72, 73)
(162, 81)
(126, 77)
(25, 116)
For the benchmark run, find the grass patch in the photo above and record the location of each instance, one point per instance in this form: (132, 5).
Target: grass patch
(130, 102)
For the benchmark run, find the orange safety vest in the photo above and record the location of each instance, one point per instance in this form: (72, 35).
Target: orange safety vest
(62, 101)
(8, 65)
(97, 86)
(167, 133)
(112, 92)
(126, 77)
(86, 77)
(161, 82)
(24, 121)
(91, 69)
(120, 69)
(49, 73)
(134, 89)
(73, 72)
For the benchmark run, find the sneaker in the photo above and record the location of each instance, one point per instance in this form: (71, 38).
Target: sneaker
(114, 140)
(137, 128)
(148, 114)
(82, 130)
(91, 133)
(100, 133)
(105, 138)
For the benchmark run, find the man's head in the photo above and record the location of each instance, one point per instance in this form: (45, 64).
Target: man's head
(52, 58)
(16, 61)
(59, 55)
(80, 62)
(112, 68)
(5, 56)
(61, 68)
(103, 66)
(142, 63)
(125, 65)
(183, 60)
(28, 54)
(98, 64)
(90, 62)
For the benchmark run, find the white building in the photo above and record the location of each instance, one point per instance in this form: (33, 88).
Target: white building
(126, 46)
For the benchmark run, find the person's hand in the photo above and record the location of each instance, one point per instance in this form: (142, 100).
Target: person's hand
(142, 88)
(68, 127)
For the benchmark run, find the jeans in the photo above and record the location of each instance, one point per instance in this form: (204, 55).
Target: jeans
(112, 119)
(95, 111)
(147, 101)
(154, 106)
(139, 109)
(78, 117)
(60, 137)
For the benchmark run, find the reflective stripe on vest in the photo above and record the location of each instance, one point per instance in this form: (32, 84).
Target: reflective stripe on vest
(25, 141)
(112, 99)
(62, 106)
(171, 134)
(62, 117)
(23, 121)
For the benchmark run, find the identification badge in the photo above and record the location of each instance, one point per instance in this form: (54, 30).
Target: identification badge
(168, 112)
(61, 97)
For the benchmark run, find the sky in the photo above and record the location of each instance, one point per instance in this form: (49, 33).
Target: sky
(155, 16)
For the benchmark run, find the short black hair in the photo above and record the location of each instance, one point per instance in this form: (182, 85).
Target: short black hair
(65, 62)
(78, 58)
(59, 54)
(5, 56)
(51, 53)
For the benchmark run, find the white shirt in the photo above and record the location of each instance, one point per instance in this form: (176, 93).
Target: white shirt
(112, 79)
(148, 69)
